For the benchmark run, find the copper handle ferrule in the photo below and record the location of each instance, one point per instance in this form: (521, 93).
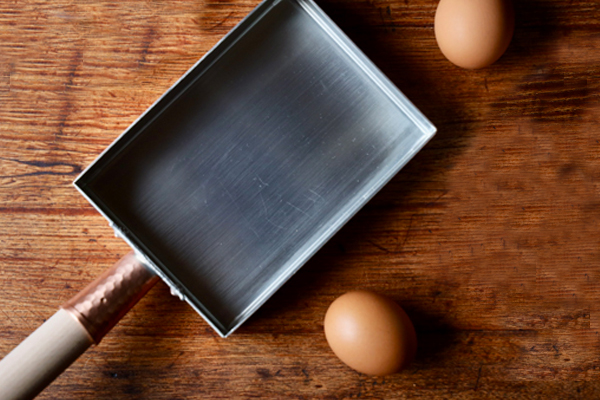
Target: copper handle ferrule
(105, 301)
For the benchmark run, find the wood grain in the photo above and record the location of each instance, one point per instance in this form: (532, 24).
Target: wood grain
(489, 238)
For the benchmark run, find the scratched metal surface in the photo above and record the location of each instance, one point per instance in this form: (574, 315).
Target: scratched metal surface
(258, 156)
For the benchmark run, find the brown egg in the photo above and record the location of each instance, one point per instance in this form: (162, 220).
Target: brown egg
(474, 33)
(370, 333)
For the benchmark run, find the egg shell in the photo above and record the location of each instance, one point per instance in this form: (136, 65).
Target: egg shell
(370, 333)
(474, 33)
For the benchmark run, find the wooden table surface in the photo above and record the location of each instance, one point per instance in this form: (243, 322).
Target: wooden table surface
(489, 238)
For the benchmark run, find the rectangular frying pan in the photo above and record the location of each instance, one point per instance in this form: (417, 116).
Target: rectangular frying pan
(234, 178)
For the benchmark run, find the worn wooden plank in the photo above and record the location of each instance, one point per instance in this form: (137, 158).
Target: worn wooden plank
(489, 237)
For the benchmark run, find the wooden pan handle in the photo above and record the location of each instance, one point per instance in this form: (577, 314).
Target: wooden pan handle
(40, 358)
(81, 322)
